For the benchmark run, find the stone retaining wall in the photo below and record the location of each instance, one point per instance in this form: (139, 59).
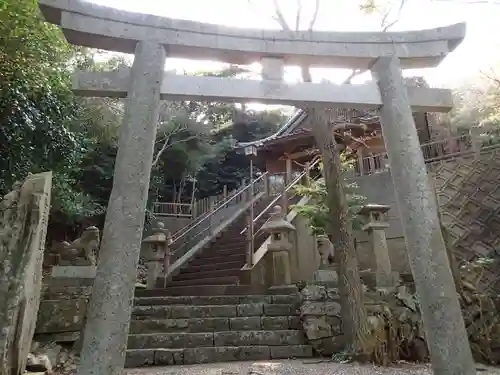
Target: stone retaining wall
(62, 313)
(320, 315)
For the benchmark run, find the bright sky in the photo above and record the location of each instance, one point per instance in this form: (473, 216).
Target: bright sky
(480, 49)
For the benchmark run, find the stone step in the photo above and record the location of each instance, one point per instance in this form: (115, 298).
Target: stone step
(232, 239)
(223, 280)
(189, 356)
(207, 274)
(214, 300)
(212, 311)
(182, 340)
(218, 253)
(213, 253)
(212, 267)
(217, 259)
(197, 325)
(197, 290)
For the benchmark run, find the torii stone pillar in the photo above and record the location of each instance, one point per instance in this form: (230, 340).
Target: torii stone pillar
(110, 307)
(443, 321)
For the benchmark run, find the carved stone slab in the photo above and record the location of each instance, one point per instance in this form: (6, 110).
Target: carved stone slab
(24, 214)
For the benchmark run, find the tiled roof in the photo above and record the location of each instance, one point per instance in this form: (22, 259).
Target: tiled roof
(291, 127)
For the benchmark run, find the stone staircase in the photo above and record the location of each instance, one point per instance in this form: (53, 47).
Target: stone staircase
(216, 269)
(168, 330)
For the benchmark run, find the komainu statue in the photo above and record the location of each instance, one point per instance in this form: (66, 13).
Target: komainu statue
(80, 252)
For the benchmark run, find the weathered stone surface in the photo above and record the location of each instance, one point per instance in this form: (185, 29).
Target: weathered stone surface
(255, 299)
(275, 322)
(249, 338)
(38, 363)
(208, 355)
(70, 282)
(245, 323)
(278, 310)
(313, 308)
(314, 293)
(153, 312)
(66, 292)
(170, 340)
(286, 299)
(179, 325)
(254, 353)
(80, 252)
(292, 351)
(215, 300)
(61, 316)
(23, 224)
(163, 301)
(418, 49)
(139, 358)
(79, 272)
(443, 321)
(201, 311)
(254, 309)
(104, 339)
(169, 357)
(295, 322)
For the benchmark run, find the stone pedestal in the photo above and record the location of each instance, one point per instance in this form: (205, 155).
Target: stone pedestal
(443, 321)
(110, 307)
(278, 265)
(73, 275)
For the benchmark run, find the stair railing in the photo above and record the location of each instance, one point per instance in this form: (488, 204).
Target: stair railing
(251, 230)
(185, 229)
(204, 227)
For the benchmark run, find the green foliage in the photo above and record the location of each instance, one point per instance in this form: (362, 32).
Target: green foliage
(38, 110)
(45, 127)
(317, 209)
(477, 102)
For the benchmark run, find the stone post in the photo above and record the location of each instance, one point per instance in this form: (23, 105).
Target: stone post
(110, 307)
(475, 136)
(444, 326)
(157, 254)
(376, 223)
(279, 248)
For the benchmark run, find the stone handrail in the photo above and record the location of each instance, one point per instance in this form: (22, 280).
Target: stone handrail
(107, 28)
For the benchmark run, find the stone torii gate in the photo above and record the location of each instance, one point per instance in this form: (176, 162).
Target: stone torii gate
(153, 38)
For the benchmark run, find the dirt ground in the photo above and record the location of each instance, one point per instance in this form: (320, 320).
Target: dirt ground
(294, 367)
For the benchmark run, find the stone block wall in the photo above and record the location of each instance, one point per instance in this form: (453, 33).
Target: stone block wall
(62, 313)
(320, 316)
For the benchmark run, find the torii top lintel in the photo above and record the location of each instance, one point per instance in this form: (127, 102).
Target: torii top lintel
(97, 26)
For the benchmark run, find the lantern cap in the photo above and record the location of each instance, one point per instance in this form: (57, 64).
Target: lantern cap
(277, 222)
(373, 208)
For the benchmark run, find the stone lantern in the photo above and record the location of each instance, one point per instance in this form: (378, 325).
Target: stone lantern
(375, 216)
(156, 252)
(280, 246)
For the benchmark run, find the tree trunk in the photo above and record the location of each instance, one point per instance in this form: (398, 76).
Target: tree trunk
(354, 324)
